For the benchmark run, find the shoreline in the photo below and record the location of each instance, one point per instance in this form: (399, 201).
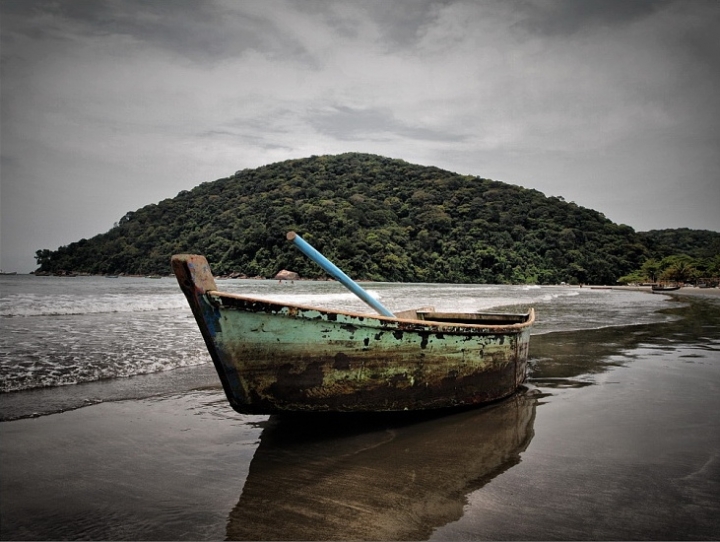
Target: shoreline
(612, 442)
(44, 401)
(636, 432)
(685, 290)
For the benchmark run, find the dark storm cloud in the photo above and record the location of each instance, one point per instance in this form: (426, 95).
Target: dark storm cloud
(203, 31)
(399, 26)
(558, 17)
(209, 31)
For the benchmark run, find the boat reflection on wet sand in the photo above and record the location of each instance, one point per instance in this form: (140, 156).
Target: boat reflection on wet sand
(379, 476)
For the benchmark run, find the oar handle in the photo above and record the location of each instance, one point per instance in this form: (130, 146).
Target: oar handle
(336, 273)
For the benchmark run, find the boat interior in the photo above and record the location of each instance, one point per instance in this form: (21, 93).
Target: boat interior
(491, 319)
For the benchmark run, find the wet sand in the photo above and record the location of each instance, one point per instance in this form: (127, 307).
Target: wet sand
(616, 437)
(698, 292)
(168, 468)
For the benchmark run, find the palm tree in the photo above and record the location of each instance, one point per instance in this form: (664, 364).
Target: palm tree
(679, 272)
(651, 269)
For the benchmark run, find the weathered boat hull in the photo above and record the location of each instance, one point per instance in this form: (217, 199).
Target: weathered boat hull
(273, 357)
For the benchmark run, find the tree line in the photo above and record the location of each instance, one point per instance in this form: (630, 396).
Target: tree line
(378, 219)
(679, 268)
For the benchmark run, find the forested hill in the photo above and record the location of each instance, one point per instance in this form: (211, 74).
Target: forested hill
(694, 243)
(376, 218)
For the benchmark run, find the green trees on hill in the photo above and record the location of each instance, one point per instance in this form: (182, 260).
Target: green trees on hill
(676, 268)
(701, 244)
(679, 255)
(376, 218)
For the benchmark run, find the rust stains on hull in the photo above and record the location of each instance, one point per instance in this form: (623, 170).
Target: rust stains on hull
(274, 357)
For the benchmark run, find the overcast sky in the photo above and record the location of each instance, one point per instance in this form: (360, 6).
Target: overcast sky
(109, 105)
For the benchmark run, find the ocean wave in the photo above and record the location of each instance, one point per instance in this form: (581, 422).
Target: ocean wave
(556, 295)
(21, 305)
(89, 348)
(30, 378)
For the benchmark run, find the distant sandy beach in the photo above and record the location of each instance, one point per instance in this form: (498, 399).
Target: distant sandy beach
(699, 292)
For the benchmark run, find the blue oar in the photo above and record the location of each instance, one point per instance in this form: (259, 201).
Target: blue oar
(335, 272)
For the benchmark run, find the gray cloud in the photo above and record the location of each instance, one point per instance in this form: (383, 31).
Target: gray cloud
(604, 103)
(352, 124)
(559, 17)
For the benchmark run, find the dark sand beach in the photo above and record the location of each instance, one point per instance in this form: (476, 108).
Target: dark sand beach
(153, 469)
(617, 436)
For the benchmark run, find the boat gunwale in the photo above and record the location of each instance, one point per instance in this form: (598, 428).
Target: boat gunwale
(445, 326)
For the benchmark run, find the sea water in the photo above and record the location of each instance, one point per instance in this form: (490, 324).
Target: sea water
(614, 436)
(63, 331)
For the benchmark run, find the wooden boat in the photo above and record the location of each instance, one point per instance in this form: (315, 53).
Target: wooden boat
(273, 357)
(659, 288)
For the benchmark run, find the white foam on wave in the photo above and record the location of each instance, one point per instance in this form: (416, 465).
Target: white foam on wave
(71, 351)
(44, 305)
(77, 372)
(557, 295)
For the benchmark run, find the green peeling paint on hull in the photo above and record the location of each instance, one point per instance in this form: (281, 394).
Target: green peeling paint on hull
(274, 357)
